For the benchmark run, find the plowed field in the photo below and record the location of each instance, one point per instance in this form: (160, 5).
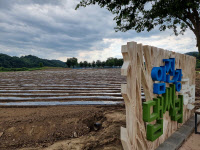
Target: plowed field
(81, 107)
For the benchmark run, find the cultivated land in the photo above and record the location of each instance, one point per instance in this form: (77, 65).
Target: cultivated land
(62, 127)
(41, 126)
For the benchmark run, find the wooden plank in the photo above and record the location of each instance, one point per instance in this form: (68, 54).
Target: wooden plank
(125, 139)
(125, 66)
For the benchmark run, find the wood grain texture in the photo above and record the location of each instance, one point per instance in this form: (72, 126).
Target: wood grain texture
(138, 63)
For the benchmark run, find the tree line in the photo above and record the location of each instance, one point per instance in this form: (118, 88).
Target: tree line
(113, 62)
(31, 61)
(110, 62)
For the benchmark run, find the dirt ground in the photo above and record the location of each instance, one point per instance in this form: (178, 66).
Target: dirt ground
(65, 127)
(76, 125)
(192, 143)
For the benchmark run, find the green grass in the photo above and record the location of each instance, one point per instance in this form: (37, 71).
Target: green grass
(2, 69)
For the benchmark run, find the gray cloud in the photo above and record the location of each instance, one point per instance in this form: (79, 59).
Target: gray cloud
(58, 27)
(53, 29)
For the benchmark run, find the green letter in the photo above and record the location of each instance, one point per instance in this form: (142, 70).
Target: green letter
(172, 100)
(147, 116)
(178, 110)
(166, 100)
(155, 131)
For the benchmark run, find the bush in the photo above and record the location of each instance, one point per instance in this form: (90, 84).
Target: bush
(198, 65)
(1, 68)
(24, 68)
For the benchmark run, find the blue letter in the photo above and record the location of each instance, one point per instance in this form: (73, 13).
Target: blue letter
(167, 64)
(178, 86)
(163, 73)
(156, 73)
(159, 88)
(171, 70)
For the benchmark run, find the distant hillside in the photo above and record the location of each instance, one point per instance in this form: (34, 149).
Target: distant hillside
(29, 61)
(195, 54)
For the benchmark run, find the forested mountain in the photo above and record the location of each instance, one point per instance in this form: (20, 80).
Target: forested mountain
(29, 61)
(195, 54)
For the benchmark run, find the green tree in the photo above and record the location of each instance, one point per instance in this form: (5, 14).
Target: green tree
(81, 64)
(93, 64)
(120, 62)
(110, 62)
(72, 62)
(141, 15)
(69, 62)
(98, 63)
(89, 64)
(103, 64)
(41, 64)
(115, 61)
(85, 63)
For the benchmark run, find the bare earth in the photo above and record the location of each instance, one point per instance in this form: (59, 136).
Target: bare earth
(65, 127)
(41, 127)
(192, 142)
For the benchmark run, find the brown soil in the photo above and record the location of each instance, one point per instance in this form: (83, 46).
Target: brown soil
(41, 127)
(192, 143)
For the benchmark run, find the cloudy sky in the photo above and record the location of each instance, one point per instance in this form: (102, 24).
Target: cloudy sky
(53, 29)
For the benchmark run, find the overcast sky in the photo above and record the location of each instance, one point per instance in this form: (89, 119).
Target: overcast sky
(53, 29)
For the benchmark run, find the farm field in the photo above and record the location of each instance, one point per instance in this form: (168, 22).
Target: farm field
(29, 119)
(40, 87)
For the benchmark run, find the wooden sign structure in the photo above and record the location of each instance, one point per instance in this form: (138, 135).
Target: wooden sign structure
(139, 61)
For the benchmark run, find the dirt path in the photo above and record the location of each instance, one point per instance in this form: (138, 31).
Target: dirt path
(193, 142)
